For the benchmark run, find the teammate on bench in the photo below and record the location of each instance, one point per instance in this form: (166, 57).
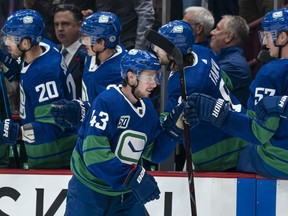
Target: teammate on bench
(43, 79)
(267, 136)
(202, 74)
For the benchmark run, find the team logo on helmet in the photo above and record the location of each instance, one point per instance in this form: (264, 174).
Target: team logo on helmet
(277, 14)
(38, 39)
(112, 38)
(27, 19)
(177, 29)
(103, 19)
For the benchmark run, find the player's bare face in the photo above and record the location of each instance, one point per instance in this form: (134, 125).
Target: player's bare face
(162, 55)
(268, 42)
(147, 82)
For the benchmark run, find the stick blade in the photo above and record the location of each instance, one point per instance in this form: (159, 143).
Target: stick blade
(162, 42)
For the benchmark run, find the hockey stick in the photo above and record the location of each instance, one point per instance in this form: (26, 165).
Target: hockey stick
(8, 114)
(160, 41)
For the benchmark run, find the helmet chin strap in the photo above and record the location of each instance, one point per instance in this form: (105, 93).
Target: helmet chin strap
(97, 54)
(24, 51)
(280, 48)
(133, 88)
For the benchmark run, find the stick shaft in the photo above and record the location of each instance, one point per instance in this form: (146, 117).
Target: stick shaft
(171, 49)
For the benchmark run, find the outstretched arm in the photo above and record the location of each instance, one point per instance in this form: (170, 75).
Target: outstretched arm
(69, 113)
(218, 112)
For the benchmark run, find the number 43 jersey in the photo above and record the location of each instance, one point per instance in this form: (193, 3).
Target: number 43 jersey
(113, 136)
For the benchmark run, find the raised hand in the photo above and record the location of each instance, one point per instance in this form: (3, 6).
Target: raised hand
(207, 108)
(69, 113)
(173, 122)
(8, 65)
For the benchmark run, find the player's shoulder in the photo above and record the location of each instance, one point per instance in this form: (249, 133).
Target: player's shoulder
(201, 50)
(110, 96)
(204, 57)
(50, 51)
(274, 68)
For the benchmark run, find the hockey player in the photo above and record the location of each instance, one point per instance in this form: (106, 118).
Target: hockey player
(267, 151)
(100, 33)
(43, 79)
(217, 151)
(121, 127)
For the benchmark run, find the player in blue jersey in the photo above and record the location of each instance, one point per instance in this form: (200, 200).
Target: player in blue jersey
(267, 151)
(216, 151)
(119, 129)
(43, 79)
(100, 33)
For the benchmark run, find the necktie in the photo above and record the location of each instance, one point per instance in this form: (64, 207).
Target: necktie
(64, 52)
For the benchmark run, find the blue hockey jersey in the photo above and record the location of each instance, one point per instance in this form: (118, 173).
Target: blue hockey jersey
(213, 149)
(43, 81)
(114, 135)
(270, 139)
(97, 78)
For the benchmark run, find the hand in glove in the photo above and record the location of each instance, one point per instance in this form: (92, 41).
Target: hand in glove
(208, 108)
(274, 106)
(142, 184)
(69, 113)
(9, 65)
(9, 132)
(173, 122)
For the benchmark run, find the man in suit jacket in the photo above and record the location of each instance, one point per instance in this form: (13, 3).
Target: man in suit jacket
(67, 24)
(47, 8)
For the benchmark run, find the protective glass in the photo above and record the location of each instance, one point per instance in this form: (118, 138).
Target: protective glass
(149, 79)
(9, 40)
(87, 39)
(267, 36)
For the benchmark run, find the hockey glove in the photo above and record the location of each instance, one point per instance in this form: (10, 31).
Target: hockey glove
(275, 106)
(8, 65)
(173, 122)
(142, 184)
(9, 132)
(209, 108)
(69, 113)
(190, 115)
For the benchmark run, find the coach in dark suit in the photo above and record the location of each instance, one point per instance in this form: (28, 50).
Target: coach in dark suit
(67, 24)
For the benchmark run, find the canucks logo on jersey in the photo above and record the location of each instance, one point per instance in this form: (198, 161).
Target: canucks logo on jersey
(130, 146)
